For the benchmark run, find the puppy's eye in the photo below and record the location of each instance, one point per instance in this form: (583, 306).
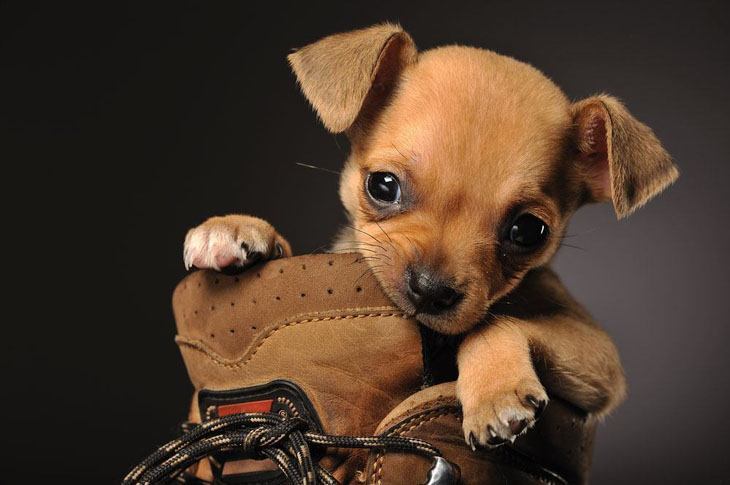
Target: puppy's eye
(384, 187)
(528, 232)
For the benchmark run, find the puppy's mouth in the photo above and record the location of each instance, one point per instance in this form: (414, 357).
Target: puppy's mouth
(450, 321)
(426, 292)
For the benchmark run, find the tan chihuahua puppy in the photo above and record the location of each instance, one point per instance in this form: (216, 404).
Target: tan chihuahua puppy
(465, 169)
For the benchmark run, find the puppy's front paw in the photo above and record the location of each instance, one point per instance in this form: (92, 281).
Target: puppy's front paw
(232, 243)
(500, 411)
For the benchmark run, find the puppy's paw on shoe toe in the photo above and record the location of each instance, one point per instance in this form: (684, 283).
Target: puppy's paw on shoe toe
(493, 418)
(232, 243)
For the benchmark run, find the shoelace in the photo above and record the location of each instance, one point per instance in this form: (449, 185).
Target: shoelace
(284, 440)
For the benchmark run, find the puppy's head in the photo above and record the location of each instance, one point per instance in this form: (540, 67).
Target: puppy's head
(466, 165)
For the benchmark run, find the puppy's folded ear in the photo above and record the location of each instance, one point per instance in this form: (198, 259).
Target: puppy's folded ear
(345, 75)
(620, 158)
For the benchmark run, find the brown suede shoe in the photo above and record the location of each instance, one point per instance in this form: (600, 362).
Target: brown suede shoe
(557, 450)
(313, 339)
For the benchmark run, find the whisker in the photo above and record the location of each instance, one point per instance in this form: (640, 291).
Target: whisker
(357, 250)
(328, 170)
(587, 231)
(373, 261)
(390, 241)
(378, 264)
(360, 249)
(316, 250)
(399, 152)
(369, 270)
(581, 233)
(413, 245)
(337, 143)
(571, 246)
(374, 249)
(366, 243)
(367, 234)
(367, 258)
(369, 245)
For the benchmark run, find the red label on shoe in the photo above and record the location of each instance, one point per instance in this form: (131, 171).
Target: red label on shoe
(245, 407)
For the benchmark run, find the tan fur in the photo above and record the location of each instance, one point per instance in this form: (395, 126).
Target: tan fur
(454, 94)
(337, 73)
(638, 166)
(474, 136)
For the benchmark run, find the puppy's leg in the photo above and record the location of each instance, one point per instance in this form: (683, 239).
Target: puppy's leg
(500, 393)
(232, 243)
(553, 338)
(577, 361)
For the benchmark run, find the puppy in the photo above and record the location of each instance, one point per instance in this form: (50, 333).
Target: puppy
(465, 168)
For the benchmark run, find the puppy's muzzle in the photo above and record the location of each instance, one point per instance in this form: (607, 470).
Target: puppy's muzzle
(429, 293)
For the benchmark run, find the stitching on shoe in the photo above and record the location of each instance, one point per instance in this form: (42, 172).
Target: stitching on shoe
(440, 402)
(407, 426)
(377, 468)
(415, 421)
(206, 350)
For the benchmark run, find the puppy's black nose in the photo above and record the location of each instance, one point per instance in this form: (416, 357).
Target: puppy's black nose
(430, 294)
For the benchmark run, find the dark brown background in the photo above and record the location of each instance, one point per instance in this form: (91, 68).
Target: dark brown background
(123, 125)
